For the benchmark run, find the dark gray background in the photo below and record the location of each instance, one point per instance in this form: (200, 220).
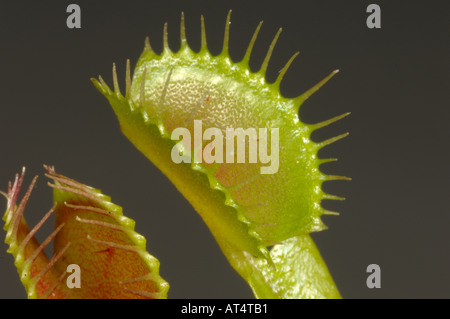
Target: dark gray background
(394, 80)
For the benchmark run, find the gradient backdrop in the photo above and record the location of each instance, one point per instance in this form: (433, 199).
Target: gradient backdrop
(394, 80)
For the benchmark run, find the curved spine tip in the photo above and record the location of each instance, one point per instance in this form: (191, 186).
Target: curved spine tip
(285, 68)
(269, 53)
(248, 53)
(203, 45)
(303, 97)
(226, 37)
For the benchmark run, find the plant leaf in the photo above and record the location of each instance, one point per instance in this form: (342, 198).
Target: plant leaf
(90, 232)
(247, 211)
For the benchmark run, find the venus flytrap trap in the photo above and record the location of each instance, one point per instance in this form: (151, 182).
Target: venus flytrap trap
(246, 211)
(231, 144)
(91, 236)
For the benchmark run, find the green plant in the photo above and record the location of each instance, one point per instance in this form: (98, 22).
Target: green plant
(248, 206)
(91, 233)
(246, 211)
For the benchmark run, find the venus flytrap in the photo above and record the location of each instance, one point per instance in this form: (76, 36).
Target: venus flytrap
(258, 189)
(247, 212)
(91, 235)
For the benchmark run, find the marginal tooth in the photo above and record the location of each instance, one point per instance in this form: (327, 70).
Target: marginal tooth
(13, 193)
(331, 140)
(89, 208)
(33, 232)
(330, 121)
(303, 97)
(269, 53)
(100, 223)
(327, 160)
(77, 192)
(182, 31)
(165, 38)
(44, 244)
(128, 80)
(284, 69)
(51, 263)
(246, 58)
(104, 85)
(204, 45)
(329, 212)
(337, 178)
(116, 82)
(226, 37)
(98, 85)
(332, 197)
(15, 222)
(65, 181)
(114, 245)
(147, 46)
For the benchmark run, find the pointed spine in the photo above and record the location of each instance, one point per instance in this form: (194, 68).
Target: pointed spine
(127, 80)
(326, 160)
(329, 212)
(183, 40)
(284, 70)
(337, 178)
(116, 82)
(331, 140)
(42, 273)
(204, 45)
(248, 53)
(35, 254)
(33, 232)
(226, 37)
(104, 86)
(269, 53)
(165, 39)
(17, 217)
(13, 193)
(332, 197)
(147, 46)
(303, 97)
(328, 122)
